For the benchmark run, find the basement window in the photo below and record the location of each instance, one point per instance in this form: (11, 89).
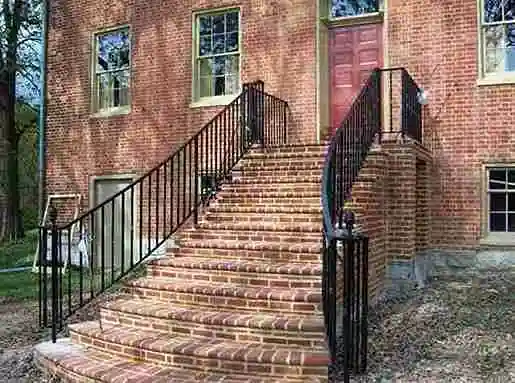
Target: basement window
(501, 200)
(112, 63)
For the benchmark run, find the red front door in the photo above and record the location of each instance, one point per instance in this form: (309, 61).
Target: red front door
(353, 53)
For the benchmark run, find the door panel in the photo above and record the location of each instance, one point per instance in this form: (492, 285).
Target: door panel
(113, 246)
(353, 53)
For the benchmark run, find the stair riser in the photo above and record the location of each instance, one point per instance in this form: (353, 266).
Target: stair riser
(244, 254)
(276, 179)
(286, 164)
(227, 302)
(241, 334)
(278, 218)
(265, 209)
(299, 149)
(239, 278)
(313, 201)
(299, 188)
(195, 362)
(249, 173)
(291, 238)
(261, 226)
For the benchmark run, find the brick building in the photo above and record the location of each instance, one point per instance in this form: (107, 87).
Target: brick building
(129, 82)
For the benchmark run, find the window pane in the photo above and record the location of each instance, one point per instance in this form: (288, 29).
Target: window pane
(492, 10)
(498, 202)
(511, 178)
(120, 88)
(113, 50)
(205, 87)
(511, 201)
(232, 63)
(232, 84)
(497, 222)
(205, 46)
(219, 86)
(511, 222)
(103, 93)
(343, 8)
(206, 67)
(510, 48)
(231, 42)
(509, 9)
(219, 24)
(494, 49)
(219, 66)
(219, 43)
(497, 179)
(205, 25)
(231, 20)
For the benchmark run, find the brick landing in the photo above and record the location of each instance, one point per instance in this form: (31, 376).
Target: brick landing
(239, 301)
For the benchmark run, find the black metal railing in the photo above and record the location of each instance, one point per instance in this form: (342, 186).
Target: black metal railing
(106, 243)
(345, 253)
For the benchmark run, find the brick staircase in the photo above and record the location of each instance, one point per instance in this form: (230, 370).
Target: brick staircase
(238, 301)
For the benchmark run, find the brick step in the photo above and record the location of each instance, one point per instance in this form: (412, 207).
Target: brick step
(215, 324)
(254, 193)
(293, 148)
(289, 165)
(282, 188)
(270, 200)
(258, 173)
(286, 238)
(266, 253)
(215, 295)
(266, 208)
(77, 363)
(292, 177)
(257, 226)
(275, 217)
(239, 272)
(220, 356)
(307, 152)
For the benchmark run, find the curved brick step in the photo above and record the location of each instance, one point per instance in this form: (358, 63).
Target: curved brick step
(215, 294)
(256, 226)
(265, 253)
(278, 179)
(76, 363)
(289, 164)
(253, 193)
(299, 188)
(240, 272)
(216, 324)
(272, 217)
(310, 209)
(222, 356)
(208, 232)
(299, 153)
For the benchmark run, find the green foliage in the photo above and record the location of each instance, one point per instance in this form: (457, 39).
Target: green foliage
(18, 253)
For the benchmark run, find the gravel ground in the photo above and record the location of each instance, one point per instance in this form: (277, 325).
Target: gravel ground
(460, 328)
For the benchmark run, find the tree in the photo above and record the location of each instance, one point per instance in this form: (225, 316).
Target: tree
(20, 36)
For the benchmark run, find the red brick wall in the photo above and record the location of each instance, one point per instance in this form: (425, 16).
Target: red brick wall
(278, 47)
(469, 124)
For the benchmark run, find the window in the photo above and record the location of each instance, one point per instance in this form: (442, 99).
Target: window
(217, 54)
(347, 8)
(498, 36)
(112, 70)
(501, 200)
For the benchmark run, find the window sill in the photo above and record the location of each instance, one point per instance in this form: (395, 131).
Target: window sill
(369, 18)
(497, 80)
(213, 101)
(498, 239)
(124, 110)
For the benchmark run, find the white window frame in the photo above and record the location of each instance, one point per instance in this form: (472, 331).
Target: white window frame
(114, 110)
(493, 77)
(195, 84)
(505, 191)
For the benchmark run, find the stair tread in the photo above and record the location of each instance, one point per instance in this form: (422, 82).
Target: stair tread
(110, 368)
(221, 317)
(300, 247)
(224, 289)
(201, 347)
(245, 266)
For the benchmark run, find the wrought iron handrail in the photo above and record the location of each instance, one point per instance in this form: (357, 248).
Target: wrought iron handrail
(121, 232)
(345, 255)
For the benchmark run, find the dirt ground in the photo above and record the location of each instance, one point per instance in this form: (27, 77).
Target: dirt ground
(461, 328)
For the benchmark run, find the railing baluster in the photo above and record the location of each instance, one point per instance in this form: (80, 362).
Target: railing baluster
(122, 234)
(157, 207)
(69, 249)
(81, 263)
(102, 250)
(113, 239)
